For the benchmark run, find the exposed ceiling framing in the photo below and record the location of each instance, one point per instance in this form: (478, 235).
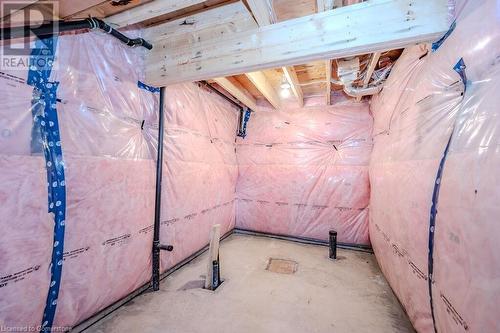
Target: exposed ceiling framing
(328, 73)
(148, 11)
(379, 25)
(293, 80)
(262, 83)
(263, 11)
(321, 6)
(252, 48)
(371, 67)
(234, 87)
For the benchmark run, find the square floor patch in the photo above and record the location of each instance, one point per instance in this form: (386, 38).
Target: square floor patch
(282, 266)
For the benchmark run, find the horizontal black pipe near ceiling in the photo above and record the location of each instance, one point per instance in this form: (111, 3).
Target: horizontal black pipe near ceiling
(55, 27)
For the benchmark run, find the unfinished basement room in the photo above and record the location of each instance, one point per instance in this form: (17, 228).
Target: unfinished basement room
(250, 166)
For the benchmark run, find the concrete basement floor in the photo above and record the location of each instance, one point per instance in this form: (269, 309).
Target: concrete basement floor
(347, 295)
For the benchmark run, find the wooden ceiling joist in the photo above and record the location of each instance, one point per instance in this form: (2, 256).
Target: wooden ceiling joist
(211, 25)
(362, 28)
(263, 11)
(232, 86)
(328, 70)
(293, 80)
(148, 11)
(324, 5)
(370, 69)
(70, 7)
(261, 82)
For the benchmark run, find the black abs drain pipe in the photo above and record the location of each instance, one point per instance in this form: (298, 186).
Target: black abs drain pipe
(216, 274)
(157, 247)
(332, 242)
(53, 28)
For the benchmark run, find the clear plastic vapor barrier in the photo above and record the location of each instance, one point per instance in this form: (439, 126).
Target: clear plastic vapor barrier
(434, 176)
(104, 180)
(304, 172)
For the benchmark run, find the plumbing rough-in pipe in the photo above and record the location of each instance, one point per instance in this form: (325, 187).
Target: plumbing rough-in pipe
(360, 92)
(52, 28)
(373, 89)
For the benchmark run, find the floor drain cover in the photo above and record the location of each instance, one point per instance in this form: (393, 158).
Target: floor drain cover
(282, 266)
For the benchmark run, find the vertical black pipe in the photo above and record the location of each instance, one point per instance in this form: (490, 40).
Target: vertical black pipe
(333, 244)
(159, 165)
(215, 274)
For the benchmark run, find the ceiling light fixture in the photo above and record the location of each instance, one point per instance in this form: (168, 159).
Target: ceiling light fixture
(285, 93)
(285, 88)
(284, 83)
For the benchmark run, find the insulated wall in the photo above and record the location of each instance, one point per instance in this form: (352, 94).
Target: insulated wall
(105, 170)
(303, 172)
(105, 163)
(200, 169)
(435, 181)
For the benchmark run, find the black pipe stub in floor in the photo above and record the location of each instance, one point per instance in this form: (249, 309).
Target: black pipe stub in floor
(214, 288)
(332, 244)
(216, 280)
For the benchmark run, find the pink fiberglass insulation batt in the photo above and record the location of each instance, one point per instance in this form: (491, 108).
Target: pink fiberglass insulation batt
(304, 171)
(108, 133)
(423, 103)
(25, 240)
(109, 174)
(200, 169)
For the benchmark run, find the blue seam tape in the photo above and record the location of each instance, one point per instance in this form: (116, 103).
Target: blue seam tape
(243, 131)
(47, 130)
(437, 44)
(144, 86)
(460, 69)
(432, 225)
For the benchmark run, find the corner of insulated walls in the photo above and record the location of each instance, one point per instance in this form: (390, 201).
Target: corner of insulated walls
(303, 172)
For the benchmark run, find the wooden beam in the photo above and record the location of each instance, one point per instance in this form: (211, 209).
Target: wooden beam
(232, 86)
(261, 82)
(324, 5)
(293, 80)
(369, 70)
(71, 7)
(328, 70)
(149, 11)
(75, 10)
(210, 25)
(263, 11)
(362, 28)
